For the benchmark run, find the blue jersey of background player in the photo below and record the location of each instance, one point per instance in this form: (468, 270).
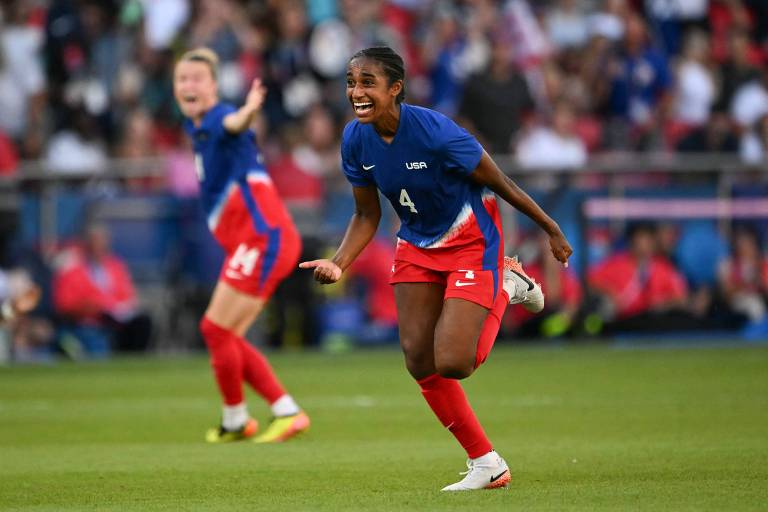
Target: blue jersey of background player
(222, 159)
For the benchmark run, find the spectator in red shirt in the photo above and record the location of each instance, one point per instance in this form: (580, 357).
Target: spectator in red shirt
(93, 293)
(639, 289)
(743, 276)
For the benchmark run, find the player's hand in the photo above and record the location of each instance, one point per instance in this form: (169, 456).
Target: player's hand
(560, 247)
(26, 301)
(326, 271)
(256, 95)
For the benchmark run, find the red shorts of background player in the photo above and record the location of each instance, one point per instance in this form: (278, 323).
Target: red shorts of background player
(261, 242)
(456, 268)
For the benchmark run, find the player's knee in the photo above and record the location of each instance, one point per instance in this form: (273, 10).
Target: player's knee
(419, 363)
(212, 333)
(452, 367)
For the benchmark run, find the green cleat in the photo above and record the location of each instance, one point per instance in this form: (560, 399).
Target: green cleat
(283, 428)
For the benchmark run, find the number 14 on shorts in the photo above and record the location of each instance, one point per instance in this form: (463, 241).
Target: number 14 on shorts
(244, 260)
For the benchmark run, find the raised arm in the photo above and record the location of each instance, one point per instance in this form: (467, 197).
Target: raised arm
(361, 229)
(240, 120)
(487, 173)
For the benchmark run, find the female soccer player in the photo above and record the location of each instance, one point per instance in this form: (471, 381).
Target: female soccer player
(447, 275)
(261, 243)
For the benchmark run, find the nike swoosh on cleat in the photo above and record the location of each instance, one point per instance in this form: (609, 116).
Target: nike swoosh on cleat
(494, 478)
(368, 167)
(462, 283)
(521, 276)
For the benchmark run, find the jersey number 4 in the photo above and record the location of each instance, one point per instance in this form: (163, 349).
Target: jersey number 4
(405, 200)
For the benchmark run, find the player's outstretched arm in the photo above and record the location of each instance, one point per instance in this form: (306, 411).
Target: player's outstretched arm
(361, 229)
(240, 120)
(488, 173)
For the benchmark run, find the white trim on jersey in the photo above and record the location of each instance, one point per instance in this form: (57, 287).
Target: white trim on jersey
(462, 219)
(258, 177)
(215, 216)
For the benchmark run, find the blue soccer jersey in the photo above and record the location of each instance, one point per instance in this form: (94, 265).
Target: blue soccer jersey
(424, 174)
(223, 161)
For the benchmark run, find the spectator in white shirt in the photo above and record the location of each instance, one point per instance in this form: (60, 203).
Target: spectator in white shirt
(695, 86)
(555, 145)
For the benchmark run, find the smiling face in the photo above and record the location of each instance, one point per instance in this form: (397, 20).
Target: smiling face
(195, 88)
(369, 90)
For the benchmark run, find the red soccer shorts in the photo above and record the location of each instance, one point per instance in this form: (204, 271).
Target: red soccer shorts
(257, 259)
(473, 283)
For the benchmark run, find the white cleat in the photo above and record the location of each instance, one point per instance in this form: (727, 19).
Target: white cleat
(521, 288)
(487, 472)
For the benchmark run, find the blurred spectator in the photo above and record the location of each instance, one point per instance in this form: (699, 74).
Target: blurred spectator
(672, 19)
(495, 101)
(727, 17)
(738, 68)
(291, 86)
(609, 22)
(223, 26)
(743, 276)
(567, 24)
(563, 296)
(78, 149)
(695, 86)
(293, 178)
(22, 80)
(450, 55)
(754, 144)
(163, 19)
(750, 101)
(638, 289)
(553, 146)
(9, 158)
(639, 92)
(716, 136)
(95, 298)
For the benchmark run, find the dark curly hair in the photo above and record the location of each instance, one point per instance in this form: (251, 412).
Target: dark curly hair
(391, 63)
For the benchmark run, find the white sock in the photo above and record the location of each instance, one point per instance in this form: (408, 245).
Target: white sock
(285, 406)
(233, 417)
(489, 459)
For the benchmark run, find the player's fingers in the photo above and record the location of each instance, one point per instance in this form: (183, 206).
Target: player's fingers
(309, 264)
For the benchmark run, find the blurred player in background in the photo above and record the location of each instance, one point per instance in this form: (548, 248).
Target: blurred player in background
(262, 246)
(451, 281)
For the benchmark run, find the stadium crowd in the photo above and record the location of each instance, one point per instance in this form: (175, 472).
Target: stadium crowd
(83, 82)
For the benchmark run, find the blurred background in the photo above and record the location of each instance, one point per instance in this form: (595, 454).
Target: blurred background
(640, 125)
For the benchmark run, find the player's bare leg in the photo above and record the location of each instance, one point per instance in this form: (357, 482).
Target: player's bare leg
(227, 319)
(419, 306)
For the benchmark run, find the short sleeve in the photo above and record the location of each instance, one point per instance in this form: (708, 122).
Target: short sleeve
(460, 151)
(214, 120)
(350, 164)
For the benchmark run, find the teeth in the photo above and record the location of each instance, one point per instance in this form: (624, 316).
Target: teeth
(362, 105)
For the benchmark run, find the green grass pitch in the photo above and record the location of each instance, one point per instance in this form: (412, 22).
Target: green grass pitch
(585, 428)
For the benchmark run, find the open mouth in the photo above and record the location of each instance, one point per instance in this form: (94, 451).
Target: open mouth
(362, 108)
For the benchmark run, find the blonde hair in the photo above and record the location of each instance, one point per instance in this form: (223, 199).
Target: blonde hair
(204, 55)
